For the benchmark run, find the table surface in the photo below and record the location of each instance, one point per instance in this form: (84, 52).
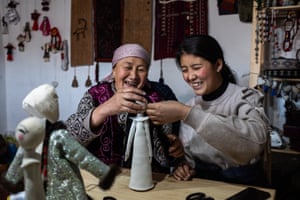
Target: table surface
(166, 187)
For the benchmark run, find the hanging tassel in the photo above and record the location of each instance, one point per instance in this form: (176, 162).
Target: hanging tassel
(161, 78)
(97, 72)
(75, 82)
(88, 82)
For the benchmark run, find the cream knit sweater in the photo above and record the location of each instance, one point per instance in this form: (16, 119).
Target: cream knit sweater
(229, 131)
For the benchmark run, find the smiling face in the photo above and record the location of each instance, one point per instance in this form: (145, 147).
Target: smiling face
(130, 72)
(203, 76)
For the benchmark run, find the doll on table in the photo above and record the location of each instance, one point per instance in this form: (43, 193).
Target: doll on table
(62, 156)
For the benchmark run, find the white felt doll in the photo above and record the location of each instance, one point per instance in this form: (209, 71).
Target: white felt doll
(30, 133)
(62, 155)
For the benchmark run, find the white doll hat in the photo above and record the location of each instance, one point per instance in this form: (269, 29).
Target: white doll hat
(42, 102)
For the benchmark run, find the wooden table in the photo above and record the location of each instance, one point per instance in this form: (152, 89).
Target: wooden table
(166, 187)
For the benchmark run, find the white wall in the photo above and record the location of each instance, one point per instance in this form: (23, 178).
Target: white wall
(28, 69)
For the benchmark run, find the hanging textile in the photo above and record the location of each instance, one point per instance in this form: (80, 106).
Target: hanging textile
(228, 7)
(137, 23)
(81, 33)
(107, 28)
(176, 19)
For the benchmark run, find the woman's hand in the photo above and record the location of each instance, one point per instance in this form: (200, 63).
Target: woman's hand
(176, 148)
(183, 172)
(129, 100)
(167, 111)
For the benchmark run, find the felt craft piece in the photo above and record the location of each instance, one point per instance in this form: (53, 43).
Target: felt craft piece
(81, 33)
(4, 26)
(46, 49)
(107, 27)
(45, 5)
(137, 25)
(9, 52)
(140, 141)
(64, 55)
(30, 133)
(55, 43)
(63, 155)
(35, 17)
(12, 16)
(21, 38)
(174, 21)
(27, 32)
(45, 26)
(228, 7)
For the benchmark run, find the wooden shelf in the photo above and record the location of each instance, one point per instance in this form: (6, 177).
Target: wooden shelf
(293, 7)
(286, 79)
(286, 150)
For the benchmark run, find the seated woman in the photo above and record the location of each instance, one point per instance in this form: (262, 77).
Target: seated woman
(102, 121)
(225, 131)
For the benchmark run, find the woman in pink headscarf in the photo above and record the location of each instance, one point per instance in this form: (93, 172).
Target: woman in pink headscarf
(102, 121)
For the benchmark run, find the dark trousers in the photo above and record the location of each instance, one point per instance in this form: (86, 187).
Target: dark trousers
(248, 174)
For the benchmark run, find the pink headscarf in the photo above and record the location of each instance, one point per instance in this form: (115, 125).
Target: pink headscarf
(128, 50)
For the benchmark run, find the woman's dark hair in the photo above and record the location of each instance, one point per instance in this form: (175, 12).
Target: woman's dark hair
(206, 47)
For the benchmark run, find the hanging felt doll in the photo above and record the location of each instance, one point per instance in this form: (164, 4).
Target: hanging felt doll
(45, 26)
(35, 17)
(21, 38)
(4, 26)
(27, 32)
(64, 55)
(45, 5)
(46, 55)
(55, 40)
(9, 52)
(12, 16)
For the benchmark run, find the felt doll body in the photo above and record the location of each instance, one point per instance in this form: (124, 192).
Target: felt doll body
(65, 156)
(141, 171)
(29, 133)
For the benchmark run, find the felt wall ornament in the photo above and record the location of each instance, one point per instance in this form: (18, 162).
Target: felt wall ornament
(21, 39)
(4, 26)
(64, 55)
(46, 55)
(35, 17)
(45, 26)
(45, 5)
(55, 42)
(9, 52)
(27, 32)
(12, 16)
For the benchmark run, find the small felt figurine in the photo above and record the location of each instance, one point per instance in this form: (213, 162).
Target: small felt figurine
(45, 5)
(27, 32)
(30, 133)
(45, 26)
(46, 50)
(62, 155)
(21, 39)
(35, 17)
(12, 15)
(9, 52)
(55, 42)
(4, 26)
(64, 56)
(139, 140)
